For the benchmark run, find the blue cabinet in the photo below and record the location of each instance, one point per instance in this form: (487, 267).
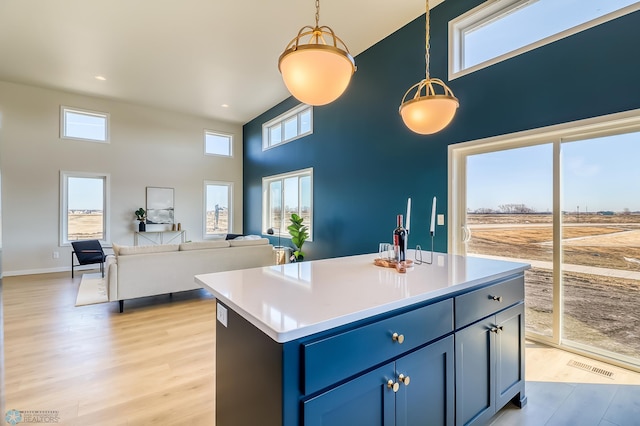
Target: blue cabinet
(416, 388)
(489, 366)
(453, 360)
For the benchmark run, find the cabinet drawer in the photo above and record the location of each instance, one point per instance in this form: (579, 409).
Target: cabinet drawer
(477, 304)
(343, 355)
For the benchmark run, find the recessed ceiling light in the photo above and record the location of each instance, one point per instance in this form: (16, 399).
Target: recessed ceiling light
(224, 106)
(101, 78)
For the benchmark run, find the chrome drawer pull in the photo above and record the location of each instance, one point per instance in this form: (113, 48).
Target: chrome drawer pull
(496, 298)
(397, 338)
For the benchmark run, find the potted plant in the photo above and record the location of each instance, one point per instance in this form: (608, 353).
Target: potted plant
(141, 216)
(299, 234)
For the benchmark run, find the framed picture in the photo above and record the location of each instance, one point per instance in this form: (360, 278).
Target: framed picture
(159, 205)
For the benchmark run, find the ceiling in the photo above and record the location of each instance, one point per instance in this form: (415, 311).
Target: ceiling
(191, 56)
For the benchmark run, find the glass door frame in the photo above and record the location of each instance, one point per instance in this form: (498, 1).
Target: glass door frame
(618, 123)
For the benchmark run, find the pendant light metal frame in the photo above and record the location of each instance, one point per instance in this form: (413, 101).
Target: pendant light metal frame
(318, 36)
(427, 85)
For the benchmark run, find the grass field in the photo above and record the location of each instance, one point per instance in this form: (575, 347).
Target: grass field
(85, 226)
(599, 309)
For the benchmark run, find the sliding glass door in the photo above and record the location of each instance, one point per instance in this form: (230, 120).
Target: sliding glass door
(508, 215)
(600, 190)
(567, 201)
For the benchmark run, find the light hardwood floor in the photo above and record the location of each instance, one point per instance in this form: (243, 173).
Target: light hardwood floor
(155, 363)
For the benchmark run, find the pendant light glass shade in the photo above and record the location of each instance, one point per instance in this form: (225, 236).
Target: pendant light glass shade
(428, 111)
(317, 70)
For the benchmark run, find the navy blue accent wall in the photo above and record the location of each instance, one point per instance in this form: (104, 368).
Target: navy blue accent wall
(366, 163)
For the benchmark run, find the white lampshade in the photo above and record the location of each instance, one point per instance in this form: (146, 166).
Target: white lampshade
(316, 74)
(429, 113)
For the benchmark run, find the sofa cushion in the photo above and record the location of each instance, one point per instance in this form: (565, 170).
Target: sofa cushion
(248, 242)
(161, 248)
(199, 245)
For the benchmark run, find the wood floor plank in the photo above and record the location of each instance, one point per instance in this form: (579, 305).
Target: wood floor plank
(151, 365)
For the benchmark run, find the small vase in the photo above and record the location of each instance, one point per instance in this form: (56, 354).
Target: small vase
(142, 226)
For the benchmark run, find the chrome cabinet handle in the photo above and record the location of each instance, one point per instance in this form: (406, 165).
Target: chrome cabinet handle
(496, 298)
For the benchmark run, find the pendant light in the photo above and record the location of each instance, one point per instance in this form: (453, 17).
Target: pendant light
(429, 113)
(317, 71)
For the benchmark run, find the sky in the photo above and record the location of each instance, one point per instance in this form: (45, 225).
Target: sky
(597, 174)
(536, 20)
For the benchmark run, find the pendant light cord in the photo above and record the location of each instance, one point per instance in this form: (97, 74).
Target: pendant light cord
(317, 12)
(426, 55)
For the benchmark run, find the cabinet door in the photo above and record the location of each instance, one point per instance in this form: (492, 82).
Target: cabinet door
(475, 379)
(510, 355)
(365, 400)
(428, 399)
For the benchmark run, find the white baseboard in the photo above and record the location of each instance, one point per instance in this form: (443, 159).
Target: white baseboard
(47, 270)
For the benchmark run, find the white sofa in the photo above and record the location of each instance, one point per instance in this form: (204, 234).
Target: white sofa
(140, 271)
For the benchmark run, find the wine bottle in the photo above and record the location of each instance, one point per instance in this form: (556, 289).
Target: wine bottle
(399, 241)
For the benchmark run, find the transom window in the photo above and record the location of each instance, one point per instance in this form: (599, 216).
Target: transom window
(84, 125)
(498, 30)
(218, 208)
(84, 207)
(283, 195)
(217, 143)
(291, 125)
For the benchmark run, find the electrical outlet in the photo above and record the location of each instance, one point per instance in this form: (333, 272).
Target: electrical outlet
(440, 219)
(221, 314)
(55, 255)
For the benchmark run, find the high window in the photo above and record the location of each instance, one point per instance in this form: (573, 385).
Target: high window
(217, 201)
(291, 125)
(478, 38)
(283, 195)
(84, 207)
(84, 125)
(216, 143)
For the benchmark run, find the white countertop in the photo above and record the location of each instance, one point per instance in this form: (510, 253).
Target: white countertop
(295, 300)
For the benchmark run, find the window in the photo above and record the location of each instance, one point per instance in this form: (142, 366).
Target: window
(477, 38)
(84, 207)
(291, 125)
(560, 199)
(216, 143)
(283, 195)
(84, 125)
(217, 201)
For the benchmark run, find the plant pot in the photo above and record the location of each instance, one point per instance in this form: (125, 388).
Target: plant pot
(142, 226)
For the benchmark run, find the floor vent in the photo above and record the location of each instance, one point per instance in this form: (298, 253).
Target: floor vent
(596, 370)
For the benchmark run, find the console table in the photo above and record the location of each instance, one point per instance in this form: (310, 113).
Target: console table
(159, 237)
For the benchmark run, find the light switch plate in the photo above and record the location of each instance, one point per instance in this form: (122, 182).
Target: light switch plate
(440, 219)
(221, 314)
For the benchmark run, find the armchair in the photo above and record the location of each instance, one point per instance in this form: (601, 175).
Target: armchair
(87, 252)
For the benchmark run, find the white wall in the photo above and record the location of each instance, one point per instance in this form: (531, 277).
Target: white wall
(149, 147)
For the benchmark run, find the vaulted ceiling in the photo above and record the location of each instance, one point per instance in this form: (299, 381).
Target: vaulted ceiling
(191, 56)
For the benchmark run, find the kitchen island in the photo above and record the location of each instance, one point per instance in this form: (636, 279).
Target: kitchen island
(342, 341)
